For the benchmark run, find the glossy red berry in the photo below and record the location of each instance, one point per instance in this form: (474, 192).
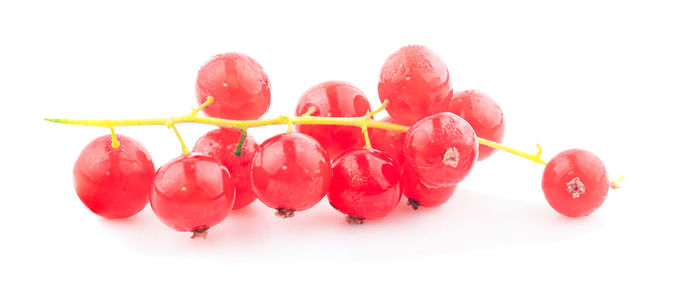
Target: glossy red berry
(113, 183)
(388, 141)
(416, 83)
(192, 193)
(334, 99)
(365, 185)
(441, 148)
(220, 144)
(483, 114)
(291, 172)
(421, 195)
(575, 182)
(238, 84)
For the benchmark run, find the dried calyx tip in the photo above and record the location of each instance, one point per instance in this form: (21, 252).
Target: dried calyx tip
(284, 212)
(413, 203)
(451, 157)
(200, 232)
(352, 219)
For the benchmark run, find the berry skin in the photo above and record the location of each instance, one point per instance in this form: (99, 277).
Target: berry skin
(334, 99)
(389, 141)
(416, 83)
(483, 114)
(420, 195)
(291, 172)
(365, 185)
(441, 148)
(575, 182)
(114, 183)
(192, 193)
(238, 84)
(220, 144)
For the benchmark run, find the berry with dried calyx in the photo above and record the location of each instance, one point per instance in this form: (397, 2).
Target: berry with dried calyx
(575, 182)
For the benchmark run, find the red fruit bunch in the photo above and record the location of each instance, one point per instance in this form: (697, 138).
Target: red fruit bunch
(430, 142)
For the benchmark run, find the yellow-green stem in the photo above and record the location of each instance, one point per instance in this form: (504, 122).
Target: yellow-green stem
(115, 142)
(537, 158)
(616, 183)
(185, 149)
(363, 122)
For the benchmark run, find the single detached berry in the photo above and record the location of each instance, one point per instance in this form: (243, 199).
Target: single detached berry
(483, 114)
(416, 83)
(192, 193)
(221, 144)
(421, 195)
(238, 84)
(365, 185)
(388, 141)
(334, 99)
(114, 182)
(575, 182)
(291, 172)
(441, 148)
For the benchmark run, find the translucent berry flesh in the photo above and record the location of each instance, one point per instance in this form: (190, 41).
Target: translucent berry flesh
(365, 185)
(291, 171)
(192, 193)
(575, 182)
(421, 195)
(238, 84)
(114, 182)
(416, 83)
(221, 144)
(441, 148)
(334, 99)
(483, 114)
(389, 141)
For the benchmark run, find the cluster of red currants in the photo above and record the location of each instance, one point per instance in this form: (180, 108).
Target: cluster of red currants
(293, 171)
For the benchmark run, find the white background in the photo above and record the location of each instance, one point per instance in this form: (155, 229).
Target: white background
(617, 78)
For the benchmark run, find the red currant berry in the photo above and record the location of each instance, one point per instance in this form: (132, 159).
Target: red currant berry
(192, 193)
(221, 144)
(483, 114)
(334, 99)
(365, 185)
(388, 141)
(416, 83)
(291, 172)
(575, 182)
(442, 148)
(114, 183)
(238, 84)
(421, 195)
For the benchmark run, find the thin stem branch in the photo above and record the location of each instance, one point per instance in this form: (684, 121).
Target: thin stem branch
(240, 124)
(115, 142)
(185, 149)
(537, 158)
(363, 122)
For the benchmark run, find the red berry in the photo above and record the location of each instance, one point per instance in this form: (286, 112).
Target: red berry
(291, 172)
(238, 84)
(192, 193)
(483, 114)
(441, 148)
(365, 185)
(334, 99)
(421, 195)
(416, 83)
(575, 182)
(114, 183)
(220, 144)
(388, 141)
